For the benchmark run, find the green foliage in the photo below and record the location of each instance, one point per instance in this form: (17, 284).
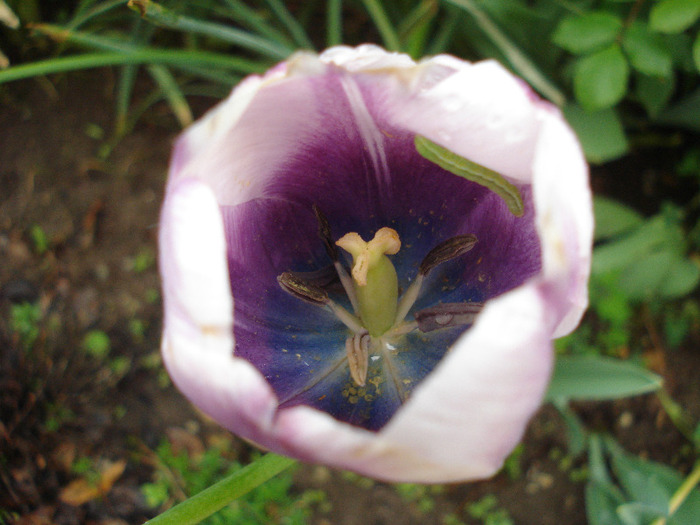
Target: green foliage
(41, 242)
(144, 260)
(624, 489)
(488, 512)
(422, 496)
(605, 52)
(674, 16)
(585, 378)
(512, 465)
(271, 503)
(24, 321)
(587, 32)
(97, 344)
(7, 517)
(629, 51)
(601, 132)
(600, 79)
(649, 260)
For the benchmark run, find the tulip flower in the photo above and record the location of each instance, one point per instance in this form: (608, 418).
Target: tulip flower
(365, 260)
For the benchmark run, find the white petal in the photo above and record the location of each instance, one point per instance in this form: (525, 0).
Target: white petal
(480, 112)
(463, 420)
(564, 219)
(197, 337)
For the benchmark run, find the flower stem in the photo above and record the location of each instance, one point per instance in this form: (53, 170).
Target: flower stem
(216, 497)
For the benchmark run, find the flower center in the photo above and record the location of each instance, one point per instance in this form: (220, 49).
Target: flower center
(379, 314)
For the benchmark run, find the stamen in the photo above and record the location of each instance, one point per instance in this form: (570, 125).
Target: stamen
(349, 320)
(301, 289)
(322, 278)
(447, 250)
(443, 252)
(408, 298)
(357, 349)
(447, 315)
(324, 232)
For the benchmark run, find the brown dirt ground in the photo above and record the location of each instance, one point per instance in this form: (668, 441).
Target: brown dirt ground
(100, 219)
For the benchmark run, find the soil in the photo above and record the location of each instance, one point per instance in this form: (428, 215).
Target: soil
(62, 400)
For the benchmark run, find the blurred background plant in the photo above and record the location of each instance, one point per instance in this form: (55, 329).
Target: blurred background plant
(625, 74)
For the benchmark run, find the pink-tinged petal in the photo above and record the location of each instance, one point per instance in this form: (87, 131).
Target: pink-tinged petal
(336, 131)
(197, 336)
(480, 112)
(463, 420)
(366, 58)
(563, 202)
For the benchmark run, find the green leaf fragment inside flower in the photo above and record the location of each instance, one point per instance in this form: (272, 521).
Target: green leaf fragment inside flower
(472, 171)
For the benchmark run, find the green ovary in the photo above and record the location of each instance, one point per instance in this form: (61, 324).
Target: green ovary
(377, 299)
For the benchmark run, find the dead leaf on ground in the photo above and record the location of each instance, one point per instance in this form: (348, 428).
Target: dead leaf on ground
(81, 491)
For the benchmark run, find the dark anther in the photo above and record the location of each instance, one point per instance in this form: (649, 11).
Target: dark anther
(447, 315)
(301, 289)
(321, 278)
(447, 250)
(324, 232)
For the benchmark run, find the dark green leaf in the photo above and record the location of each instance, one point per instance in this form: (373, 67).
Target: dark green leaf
(600, 79)
(598, 378)
(575, 431)
(587, 32)
(620, 253)
(613, 218)
(682, 278)
(696, 51)
(685, 113)
(646, 51)
(674, 16)
(654, 92)
(643, 480)
(654, 484)
(643, 278)
(600, 132)
(601, 504)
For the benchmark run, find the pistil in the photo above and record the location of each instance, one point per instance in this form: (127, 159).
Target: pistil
(375, 282)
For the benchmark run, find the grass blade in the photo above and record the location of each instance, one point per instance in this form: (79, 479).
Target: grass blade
(171, 91)
(140, 33)
(334, 23)
(173, 57)
(246, 16)
(189, 60)
(164, 17)
(383, 24)
(85, 15)
(446, 29)
(416, 25)
(293, 26)
(518, 60)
